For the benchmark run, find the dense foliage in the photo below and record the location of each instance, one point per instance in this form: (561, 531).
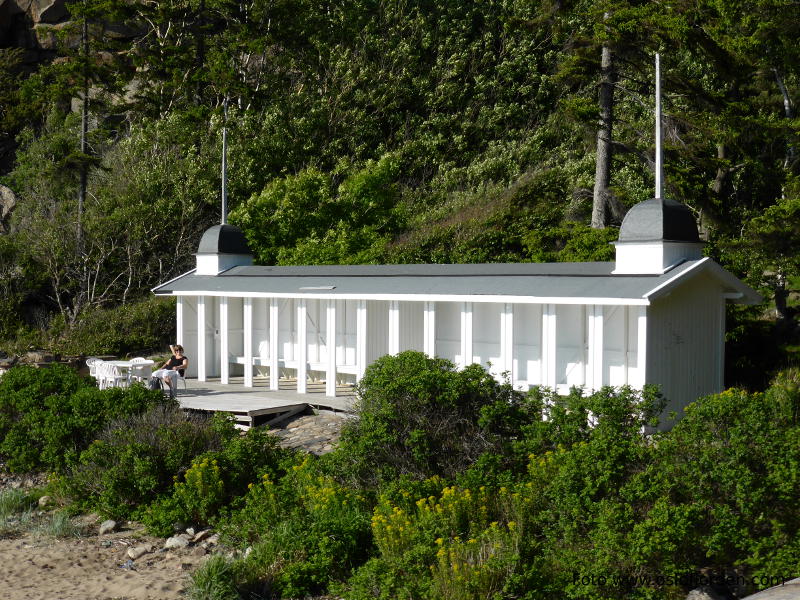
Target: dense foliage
(365, 131)
(571, 496)
(49, 416)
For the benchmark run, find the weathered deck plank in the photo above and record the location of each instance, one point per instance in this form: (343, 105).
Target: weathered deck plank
(248, 403)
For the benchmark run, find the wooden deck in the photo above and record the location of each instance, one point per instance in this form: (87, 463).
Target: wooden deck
(258, 405)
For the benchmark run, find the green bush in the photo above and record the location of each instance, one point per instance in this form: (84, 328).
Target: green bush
(722, 491)
(420, 417)
(215, 579)
(217, 478)
(139, 457)
(133, 328)
(48, 416)
(305, 529)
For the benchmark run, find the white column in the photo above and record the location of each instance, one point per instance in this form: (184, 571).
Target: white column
(466, 334)
(641, 348)
(361, 338)
(247, 318)
(201, 338)
(594, 354)
(224, 367)
(302, 346)
(507, 342)
(179, 325)
(330, 325)
(394, 327)
(429, 329)
(626, 346)
(549, 345)
(274, 375)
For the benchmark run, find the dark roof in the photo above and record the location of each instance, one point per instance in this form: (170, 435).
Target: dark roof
(580, 282)
(223, 239)
(540, 280)
(657, 220)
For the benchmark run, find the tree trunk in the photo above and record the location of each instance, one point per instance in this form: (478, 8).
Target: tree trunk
(601, 199)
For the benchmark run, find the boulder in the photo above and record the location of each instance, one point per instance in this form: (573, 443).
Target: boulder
(8, 200)
(48, 11)
(59, 35)
(200, 535)
(177, 541)
(707, 593)
(139, 551)
(108, 526)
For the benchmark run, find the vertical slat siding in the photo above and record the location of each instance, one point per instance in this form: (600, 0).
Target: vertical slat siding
(287, 334)
(448, 331)
(570, 346)
(615, 345)
(412, 326)
(213, 333)
(527, 345)
(683, 349)
(202, 355)
(188, 332)
(260, 339)
(377, 329)
(487, 337)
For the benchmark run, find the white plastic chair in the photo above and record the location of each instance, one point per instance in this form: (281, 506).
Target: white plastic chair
(100, 372)
(92, 362)
(111, 376)
(140, 372)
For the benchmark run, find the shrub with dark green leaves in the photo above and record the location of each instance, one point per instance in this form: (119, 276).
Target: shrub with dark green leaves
(306, 530)
(420, 416)
(133, 328)
(48, 416)
(137, 458)
(216, 478)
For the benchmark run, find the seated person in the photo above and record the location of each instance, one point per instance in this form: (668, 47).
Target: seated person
(175, 365)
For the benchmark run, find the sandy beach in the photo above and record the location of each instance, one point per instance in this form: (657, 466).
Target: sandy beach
(93, 567)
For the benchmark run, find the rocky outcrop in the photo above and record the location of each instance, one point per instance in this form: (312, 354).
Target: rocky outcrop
(28, 24)
(8, 200)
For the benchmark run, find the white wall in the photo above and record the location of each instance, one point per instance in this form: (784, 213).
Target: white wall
(411, 326)
(486, 334)
(261, 328)
(377, 329)
(287, 329)
(527, 352)
(615, 345)
(235, 333)
(346, 332)
(212, 336)
(685, 342)
(570, 346)
(316, 325)
(187, 335)
(448, 331)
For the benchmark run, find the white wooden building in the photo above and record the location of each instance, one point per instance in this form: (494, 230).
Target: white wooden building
(655, 315)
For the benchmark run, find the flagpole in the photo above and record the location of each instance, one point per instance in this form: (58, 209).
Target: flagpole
(659, 160)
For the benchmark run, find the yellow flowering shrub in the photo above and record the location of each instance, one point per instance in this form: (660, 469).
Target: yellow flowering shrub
(476, 567)
(202, 491)
(397, 526)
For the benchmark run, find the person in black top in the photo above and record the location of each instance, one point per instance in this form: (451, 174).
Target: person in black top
(175, 365)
